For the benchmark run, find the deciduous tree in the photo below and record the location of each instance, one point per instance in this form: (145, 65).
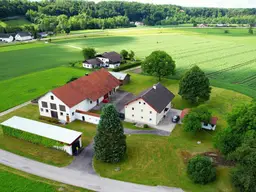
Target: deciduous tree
(195, 86)
(159, 64)
(200, 170)
(124, 54)
(88, 53)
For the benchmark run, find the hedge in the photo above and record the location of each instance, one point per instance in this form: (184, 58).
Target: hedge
(36, 139)
(127, 66)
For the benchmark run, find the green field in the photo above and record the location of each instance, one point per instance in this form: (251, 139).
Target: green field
(229, 60)
(12, 180)
(17, 22)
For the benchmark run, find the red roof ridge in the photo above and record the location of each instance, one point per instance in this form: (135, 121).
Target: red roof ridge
(88, 113)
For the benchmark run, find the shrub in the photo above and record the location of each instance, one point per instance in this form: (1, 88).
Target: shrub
(36, 139)
(226, 31)
(200, 170)
(127, 66)
(145, 126)
(49, 119)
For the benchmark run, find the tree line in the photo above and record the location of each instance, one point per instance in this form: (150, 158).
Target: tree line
(100, 15)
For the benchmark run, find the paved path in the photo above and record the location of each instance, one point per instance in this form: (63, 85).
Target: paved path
(75, 177)
(14, 108)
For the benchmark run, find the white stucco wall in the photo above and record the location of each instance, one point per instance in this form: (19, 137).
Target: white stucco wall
(8, 40)
(112, 66)
(68, 148)
(160, 116)
(47, 98)
(104, 60)
(88, 66)
(88, 118)
(141, 109)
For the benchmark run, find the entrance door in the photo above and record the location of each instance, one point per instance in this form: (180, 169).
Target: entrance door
(67, 119)
(97, 101)
(75, 147)
(106, 96)
(54, 114)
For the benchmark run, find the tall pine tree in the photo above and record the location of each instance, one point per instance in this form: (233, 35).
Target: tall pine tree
(110, 141)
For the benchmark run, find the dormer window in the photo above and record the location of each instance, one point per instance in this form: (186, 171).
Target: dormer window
(52, 98)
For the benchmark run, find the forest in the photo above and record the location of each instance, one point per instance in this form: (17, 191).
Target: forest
(66, 15)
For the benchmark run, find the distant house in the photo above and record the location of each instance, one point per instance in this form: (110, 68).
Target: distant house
(92, 63)
(139, 23)
(110, 59)
(222, 25)
(202, 25)
(151, 106)
(6, 37)
(43, 34)
(124, 78)
(73, 100)
(209, 126)
(23, 36)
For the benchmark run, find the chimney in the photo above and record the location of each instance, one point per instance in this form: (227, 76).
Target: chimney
(154, 87)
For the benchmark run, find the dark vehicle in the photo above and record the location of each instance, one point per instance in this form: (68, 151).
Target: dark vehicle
(175, 119)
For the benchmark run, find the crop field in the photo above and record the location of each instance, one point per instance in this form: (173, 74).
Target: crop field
(229, 61)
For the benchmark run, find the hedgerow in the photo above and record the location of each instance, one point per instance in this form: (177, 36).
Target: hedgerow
(127, 66)
(36, 139)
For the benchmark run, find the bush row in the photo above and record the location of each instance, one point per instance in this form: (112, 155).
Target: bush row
(49, 119)
(127, 66)
(30, 137)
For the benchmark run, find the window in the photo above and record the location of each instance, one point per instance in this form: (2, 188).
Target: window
(61, 113)
(83, 118)
(62, 108)
(150, 112)
(144, 103)
(42, 109)
(90, 102)
(141, 110)
(73, 113)
(47, 110)
(44, 104)
(141, 117)
(133, 108)
(53, 106)
(150, 119)
(52, 98)
(139, 102)
(132, 115)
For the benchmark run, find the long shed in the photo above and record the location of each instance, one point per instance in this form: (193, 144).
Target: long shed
(70, 139)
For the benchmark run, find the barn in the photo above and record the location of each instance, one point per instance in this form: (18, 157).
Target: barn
(70, 140)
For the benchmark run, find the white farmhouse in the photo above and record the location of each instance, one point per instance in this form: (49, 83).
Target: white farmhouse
(93, 63)
(23, 36)
(73, 100)
(149, 107)
(6, 37)
(110, 59)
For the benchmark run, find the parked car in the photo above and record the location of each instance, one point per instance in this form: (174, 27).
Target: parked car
(175, 119)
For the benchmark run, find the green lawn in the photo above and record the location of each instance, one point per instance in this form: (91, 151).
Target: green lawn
(156, 160)
(18, 181)
(24, 88)
(19, 21)
(38, 152)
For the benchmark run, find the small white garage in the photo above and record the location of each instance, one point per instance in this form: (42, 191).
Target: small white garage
(70, 139)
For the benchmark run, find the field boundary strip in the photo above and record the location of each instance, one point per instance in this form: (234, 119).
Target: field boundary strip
(246, 80)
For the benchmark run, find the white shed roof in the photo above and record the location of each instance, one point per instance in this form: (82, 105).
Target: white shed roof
(118, 75)
(42, 129)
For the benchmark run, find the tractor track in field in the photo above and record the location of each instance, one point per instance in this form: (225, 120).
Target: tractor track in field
(192, 51)
(246, 80)
(232, 67)
(209, 51)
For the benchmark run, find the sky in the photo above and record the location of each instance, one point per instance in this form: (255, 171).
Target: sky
(204, 3)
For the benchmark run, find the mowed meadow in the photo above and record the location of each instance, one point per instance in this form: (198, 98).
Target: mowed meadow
(229, 60)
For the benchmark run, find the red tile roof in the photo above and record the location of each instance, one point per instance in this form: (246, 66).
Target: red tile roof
(214, 120)
(88, 113)
(92, 87)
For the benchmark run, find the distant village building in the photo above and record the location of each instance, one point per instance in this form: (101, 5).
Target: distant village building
(202, 25)
(23, 36)
(107, 59)
(6, 37)
(139, 23)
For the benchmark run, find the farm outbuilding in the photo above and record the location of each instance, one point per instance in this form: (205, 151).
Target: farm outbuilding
(124, 78)
(70, 140)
